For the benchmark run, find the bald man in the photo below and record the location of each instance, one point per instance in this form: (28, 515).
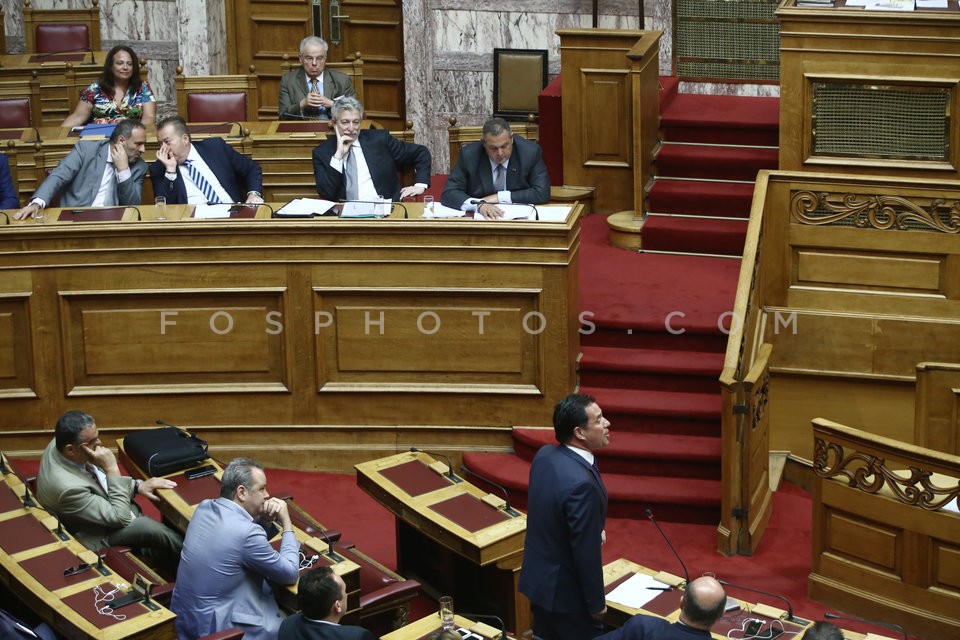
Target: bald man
(703, 603)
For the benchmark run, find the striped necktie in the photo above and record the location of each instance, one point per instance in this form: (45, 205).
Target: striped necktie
(205, 187)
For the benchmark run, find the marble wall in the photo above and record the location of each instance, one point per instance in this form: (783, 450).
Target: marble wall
(448, 47)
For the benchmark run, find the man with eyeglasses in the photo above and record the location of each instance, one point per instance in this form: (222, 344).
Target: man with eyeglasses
(308, 92)
(80, 481)
(227, 559)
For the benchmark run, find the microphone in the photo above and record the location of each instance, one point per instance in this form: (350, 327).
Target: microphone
(767, 593)
(4, 469)
(93, 60)
(298, 116)
(450, 475)
(214, 126)
(27, 499)
(333, 555)
(888, 625)
(60, 532)
(36, 133)
(486, 616)
(649, 514)
(503, 490)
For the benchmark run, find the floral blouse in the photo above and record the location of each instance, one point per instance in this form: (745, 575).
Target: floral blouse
(106, 110)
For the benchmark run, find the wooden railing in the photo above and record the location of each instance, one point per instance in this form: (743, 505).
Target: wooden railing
(886, 542)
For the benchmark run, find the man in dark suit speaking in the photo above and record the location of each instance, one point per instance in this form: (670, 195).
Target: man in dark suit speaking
(322, 597)
(499, 168)
(203, 172)
(562, 572)
(362, 164)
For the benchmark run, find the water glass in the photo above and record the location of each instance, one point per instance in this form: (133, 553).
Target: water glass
(446, 612)
(160, 204)
(427, 206)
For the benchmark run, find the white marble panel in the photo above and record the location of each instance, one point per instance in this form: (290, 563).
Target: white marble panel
(484, 31)
(418, 67)
(731, 89)
(12, 22)
(217, 36)
(202, 36)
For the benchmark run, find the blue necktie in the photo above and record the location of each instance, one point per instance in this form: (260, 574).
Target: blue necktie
(205, 188)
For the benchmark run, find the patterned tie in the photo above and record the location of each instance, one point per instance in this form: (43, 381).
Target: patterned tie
(500, 183)
(350, 176)
(315, 88)
(205, 188)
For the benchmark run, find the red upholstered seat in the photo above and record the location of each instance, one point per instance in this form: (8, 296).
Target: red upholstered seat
(14, 113)
(62, 37)
(217, 107)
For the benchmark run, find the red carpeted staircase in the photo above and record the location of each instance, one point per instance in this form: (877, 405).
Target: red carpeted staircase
(653, 351)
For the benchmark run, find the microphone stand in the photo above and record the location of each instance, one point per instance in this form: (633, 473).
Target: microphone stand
(790, 616)
(449, 474)
(483, 616)
(888, 625)
(686, 575)
(506, 497)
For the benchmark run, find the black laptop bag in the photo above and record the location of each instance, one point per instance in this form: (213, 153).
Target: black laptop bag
(164, 450)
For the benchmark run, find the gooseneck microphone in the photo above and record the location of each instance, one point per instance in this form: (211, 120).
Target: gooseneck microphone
(649, 514)
(297, 116)
(888, 625)
(506, 497)
(790, 616)
(47, 54)
(449, 474)
(3, 461)
(485, 616)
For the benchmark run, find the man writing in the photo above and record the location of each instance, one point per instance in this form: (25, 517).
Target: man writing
(309, 92)
(96, 173)
(362, 164)
(702, 604)
(562, 572)
(80, 481)
(227, 560)
(203, 172)
(500, 168)
(322, 597)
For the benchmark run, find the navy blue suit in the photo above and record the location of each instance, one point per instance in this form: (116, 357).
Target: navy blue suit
(296, 627)
(236, 172)
(383, 154)
(8, 191)
(562, 572)
(641, 627)
(527, 178)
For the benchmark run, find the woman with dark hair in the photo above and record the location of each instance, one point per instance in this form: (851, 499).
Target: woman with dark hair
(118, 94)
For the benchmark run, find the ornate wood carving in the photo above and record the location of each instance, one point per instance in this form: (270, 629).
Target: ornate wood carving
(875, 211)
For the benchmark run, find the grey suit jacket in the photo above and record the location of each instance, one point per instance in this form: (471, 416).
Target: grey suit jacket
(225, 566)
(77, 177)
(88, 511)
(293, 89)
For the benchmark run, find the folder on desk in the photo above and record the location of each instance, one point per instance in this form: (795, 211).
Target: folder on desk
(110, 214)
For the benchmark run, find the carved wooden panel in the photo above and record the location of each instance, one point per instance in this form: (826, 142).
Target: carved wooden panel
(16, 345)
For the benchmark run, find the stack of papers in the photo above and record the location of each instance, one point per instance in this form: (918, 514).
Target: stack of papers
(637, 591)
(304, 208)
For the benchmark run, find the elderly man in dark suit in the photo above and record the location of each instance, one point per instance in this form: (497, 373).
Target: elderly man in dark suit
(362, 164)
(203, 172)
(499, 168)
(562, 572)
(97, 173)
(80, 481)
(309, 91)
(322, 597)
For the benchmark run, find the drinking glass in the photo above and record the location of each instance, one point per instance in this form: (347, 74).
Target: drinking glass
(446, 612)
(160, 203)
(427, 206)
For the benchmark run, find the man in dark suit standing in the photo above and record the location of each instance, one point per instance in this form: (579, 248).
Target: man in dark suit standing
(362, 164)
(562, 572)
(309, 91)
(500, 168)
(207, 171)
(702, 604)
(322, 597)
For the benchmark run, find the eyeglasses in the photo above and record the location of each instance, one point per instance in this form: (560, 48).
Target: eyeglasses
(72, 571)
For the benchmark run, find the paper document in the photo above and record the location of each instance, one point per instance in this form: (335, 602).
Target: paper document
(440, 211)
(637, 591)
(931, 4)
(303, 207)
(553, 212)
(890, 5)
(211, 211)
(352, 209)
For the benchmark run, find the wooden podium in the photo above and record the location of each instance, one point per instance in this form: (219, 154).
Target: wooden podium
(453, 537)
(177, 506)
(62, 581)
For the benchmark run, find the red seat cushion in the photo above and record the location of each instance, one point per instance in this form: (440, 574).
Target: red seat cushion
(217, 107)
(62, 37)
(14, 113)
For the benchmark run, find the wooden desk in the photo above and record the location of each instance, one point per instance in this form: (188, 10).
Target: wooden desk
(430, 624)
(449, 538)
(33, 558)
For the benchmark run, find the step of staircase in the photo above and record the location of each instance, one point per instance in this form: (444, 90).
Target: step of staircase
(721, 120)
(672, 499)
(670, 412)
(701, 197)
(716, 162)
(626, 338)
(651, 454)
(667, 370)
(695, 235)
